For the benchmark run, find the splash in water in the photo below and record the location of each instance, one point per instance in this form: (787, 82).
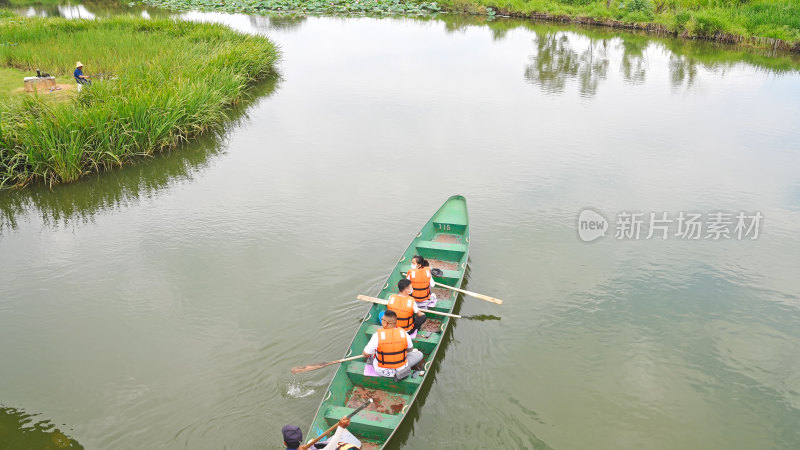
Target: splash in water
(296, 389)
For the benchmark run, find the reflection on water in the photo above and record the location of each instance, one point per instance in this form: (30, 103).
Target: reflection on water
(482, 317)
(564, 56)
(634, 59)
(682, 71)
(86, 9)
(285, 22)
(564, 53)
(20, 430)
(554, 62)
(121, 186)
(66, 11)
(558, 60)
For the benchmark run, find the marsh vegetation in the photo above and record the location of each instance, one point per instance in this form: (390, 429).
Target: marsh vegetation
(764, 23)
(161, 81)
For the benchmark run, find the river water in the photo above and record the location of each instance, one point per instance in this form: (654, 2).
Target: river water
(162, 305)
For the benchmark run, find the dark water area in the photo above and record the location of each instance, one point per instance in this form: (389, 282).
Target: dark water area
(162, 305)
(19, 429)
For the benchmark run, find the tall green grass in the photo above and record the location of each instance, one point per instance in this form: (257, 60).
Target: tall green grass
(776, 19)
(165, 81)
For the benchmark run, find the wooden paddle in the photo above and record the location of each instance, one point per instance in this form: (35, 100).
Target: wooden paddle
(472, 294)
(439, 273)
(384, 302)
(326, 432)
(311, 367)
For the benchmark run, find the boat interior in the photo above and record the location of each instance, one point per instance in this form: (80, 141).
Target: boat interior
(444, 243)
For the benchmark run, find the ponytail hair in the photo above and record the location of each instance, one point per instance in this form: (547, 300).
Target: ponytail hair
(421, 261)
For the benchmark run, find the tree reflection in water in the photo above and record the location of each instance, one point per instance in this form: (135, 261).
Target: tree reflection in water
(682, 70)
(634, 61)
(81, 9)
(283, 22)
(556, 62)
(586, 55)
(593, 66)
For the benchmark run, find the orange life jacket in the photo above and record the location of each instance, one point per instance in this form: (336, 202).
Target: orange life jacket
(392, 348)
(421, 282)
(404, 307)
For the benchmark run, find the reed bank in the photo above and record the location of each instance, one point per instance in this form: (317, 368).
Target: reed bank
(158, 82)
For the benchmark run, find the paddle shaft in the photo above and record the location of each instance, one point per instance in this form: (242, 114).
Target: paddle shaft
(358, 410)
(472, 294)
(384, 302)
(326, 432)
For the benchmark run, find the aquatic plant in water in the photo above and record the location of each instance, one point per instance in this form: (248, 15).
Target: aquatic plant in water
(348, 7)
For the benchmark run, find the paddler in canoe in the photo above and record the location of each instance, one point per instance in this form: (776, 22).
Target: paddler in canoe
(409, 317)
(421, 282)
(341, 440)
(390, 348)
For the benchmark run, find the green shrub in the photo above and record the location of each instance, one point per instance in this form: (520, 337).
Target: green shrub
(705, 23)
(463, 6)
(679, 21)
(638, 17)
(640, 6)
(578, 2)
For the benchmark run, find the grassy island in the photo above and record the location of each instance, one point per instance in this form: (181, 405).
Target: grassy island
(157, 83)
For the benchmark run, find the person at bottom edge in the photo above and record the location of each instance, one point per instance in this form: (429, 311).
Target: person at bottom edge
(341, 439)
(391, 348)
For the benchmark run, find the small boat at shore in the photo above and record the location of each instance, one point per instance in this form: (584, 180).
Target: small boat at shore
(444, 242)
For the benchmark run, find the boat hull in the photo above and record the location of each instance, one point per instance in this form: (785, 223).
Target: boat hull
(444, 241)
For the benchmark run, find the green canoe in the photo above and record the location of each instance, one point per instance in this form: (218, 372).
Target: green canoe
(444, 241)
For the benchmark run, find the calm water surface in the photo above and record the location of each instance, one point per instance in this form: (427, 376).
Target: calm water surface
(162, 305)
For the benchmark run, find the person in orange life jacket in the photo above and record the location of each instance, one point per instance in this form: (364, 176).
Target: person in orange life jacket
(421, 281)
(391, 347)
(292, 436)
(409, 317)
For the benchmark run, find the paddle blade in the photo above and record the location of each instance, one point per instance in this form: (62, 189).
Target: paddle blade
(310, 367)
(367, 298)
(472, 294)
(489, 299)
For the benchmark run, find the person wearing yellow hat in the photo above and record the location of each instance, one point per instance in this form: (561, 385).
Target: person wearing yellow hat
(80, 78)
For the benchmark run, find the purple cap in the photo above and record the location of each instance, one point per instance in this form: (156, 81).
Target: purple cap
(292, 436)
